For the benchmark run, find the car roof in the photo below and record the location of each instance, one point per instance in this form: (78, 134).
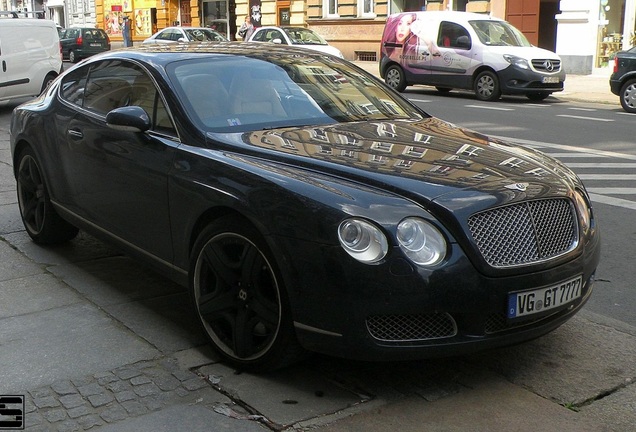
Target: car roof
(166, 53)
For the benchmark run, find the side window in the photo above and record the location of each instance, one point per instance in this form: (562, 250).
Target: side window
(113, 84)
(452, 35)
(73, 84)
(277, 35)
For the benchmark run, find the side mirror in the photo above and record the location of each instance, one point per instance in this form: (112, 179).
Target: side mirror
(182, 39)
(129, 119)
(277, 41)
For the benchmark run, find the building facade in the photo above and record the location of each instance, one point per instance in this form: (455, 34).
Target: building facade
(585, 33)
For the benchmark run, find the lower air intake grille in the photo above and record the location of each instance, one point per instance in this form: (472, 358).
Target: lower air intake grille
(404, 328)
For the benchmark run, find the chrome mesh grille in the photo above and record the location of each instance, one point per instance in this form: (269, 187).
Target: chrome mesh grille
(525, 233)
(543, 65)
(404, 328)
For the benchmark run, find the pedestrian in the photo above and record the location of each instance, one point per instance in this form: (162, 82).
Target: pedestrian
(125, 31)
(247, 28)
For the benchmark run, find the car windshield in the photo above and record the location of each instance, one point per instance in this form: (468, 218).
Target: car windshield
(237, 94)
(204, 35)
(303, 36)
(499, 33)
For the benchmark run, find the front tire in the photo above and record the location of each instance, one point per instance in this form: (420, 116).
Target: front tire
(395, 78)
(239, 297)
(628, 96)
(487, 86)
(39, 217)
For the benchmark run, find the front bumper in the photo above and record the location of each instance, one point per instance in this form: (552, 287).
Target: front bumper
(514, 80)
(394, 312)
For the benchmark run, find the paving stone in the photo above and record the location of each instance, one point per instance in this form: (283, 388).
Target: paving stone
(82, 381)
(107, 378)
(90, 421)
(167, 382)
(79, 411)
(194, 383)
(125, 396)
(68, 426)
(46, 402)
(119, 386)
(184, 375)
(126, 373)
(72, 401)
(134, 408)
(54, 415)
(91, 389)
(147, 389)
(139, 380)
(41, 392)
(114, 414)
(64, 388)
(34, 419)
(100, 399)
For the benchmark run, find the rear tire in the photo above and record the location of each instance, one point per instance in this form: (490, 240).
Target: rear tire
(487, 86)
(47, 82)
(72, 57)
(628, 96)
(395, 78)
(239, 297)
(39, 217)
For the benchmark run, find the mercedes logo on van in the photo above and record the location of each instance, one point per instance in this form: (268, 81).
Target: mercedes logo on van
(548, 65)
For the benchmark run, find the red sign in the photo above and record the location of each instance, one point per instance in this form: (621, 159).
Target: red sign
(116, 8)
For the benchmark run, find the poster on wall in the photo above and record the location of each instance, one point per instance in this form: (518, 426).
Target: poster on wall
(143, 23)
(255, 12)
(112, 20)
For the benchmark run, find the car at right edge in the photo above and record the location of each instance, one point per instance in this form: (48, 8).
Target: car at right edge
(623, 79)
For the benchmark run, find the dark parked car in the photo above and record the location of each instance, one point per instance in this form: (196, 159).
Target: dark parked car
(623, 79)
(81, 42)
(313, 209)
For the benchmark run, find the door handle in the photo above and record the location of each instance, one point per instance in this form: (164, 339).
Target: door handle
(75, 134)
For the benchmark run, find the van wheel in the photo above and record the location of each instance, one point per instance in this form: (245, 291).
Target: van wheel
(72, 57)
(537, 96)
(47, 82)
(487, 86)
(628, 96)
(395, 78)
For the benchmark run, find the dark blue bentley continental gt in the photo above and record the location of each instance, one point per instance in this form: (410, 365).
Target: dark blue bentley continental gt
(306, 205)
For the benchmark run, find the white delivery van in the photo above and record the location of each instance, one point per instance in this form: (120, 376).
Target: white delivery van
(30, 56)
(465, 50)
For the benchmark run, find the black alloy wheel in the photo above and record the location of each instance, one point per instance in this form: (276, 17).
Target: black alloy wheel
(487, 86)
(239, 297)
(41, 221)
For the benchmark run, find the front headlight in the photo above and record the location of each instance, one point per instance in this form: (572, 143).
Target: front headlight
(584, 211)
(421, 241)
(519, 62)
(363, 240)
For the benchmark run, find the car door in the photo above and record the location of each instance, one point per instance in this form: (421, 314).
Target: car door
(117, 179)
(454, 65)
(68, 40)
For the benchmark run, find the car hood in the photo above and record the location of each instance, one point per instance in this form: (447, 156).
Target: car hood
(426, 160)
(528, 53)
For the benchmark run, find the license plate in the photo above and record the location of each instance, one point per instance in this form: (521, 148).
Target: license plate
(550, 80)
(96, 45)
(526, 303)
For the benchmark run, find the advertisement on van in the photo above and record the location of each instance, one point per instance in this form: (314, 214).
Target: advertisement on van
(466, 51)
